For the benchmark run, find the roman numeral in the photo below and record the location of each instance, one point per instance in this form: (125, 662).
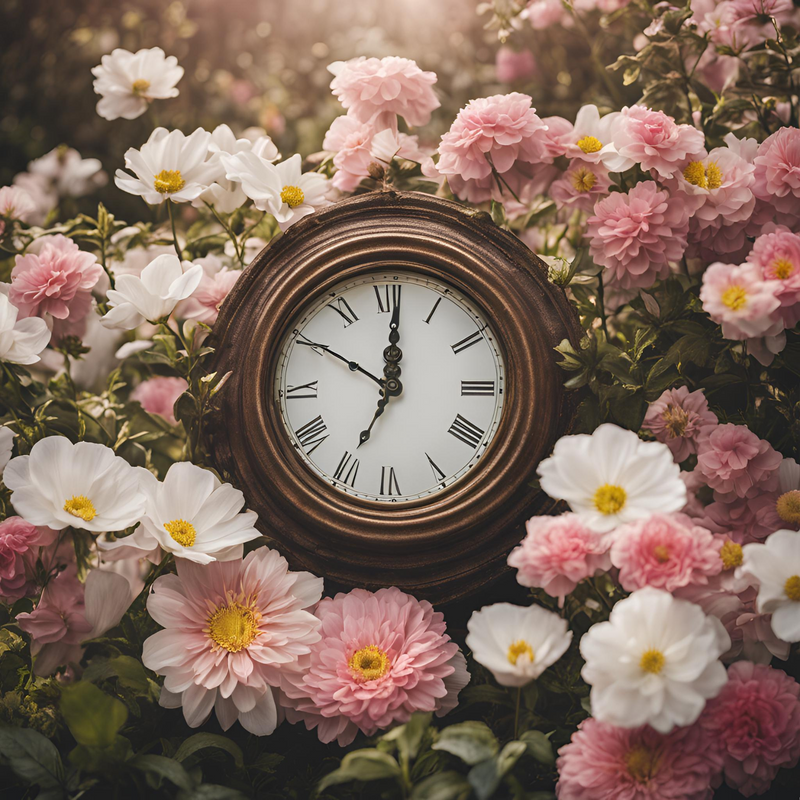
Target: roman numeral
(308, 343)
(466, 431)
(387, 301)
(342, 308)
(389, 485)
(433, 311)
(438, 475)
(468, 341)
(477, 388)
(310, 435)
(307, 390)
(349, 463)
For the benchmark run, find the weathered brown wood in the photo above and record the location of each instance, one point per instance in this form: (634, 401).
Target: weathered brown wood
(442, 547)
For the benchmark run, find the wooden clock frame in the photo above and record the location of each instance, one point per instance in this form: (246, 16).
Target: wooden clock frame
(454, 542)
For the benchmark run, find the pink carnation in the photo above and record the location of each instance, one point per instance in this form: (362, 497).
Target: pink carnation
(603, 762)
(754, 722)
(382, 657)
(207, 299)
(678, 419)
(512, 66)
(19, 550)
(558, 553)
(158, 396)
(636, 235)
(777, 256)
(16, 203)
(581, 186)
(777, 171)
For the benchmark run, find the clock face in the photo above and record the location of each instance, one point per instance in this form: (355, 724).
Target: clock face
(442, 409)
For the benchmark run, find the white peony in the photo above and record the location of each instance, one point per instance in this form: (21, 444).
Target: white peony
(655, 662)
(21, 340)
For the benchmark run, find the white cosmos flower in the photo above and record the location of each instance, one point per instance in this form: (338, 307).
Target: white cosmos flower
(776, 566)
(164, 282)
(83, 485)
(612, 477)
(68, 172)
(655, 662)
(129, 81)
(592, 139)
(169, 166)
(21, 340)
(517, 643)
(193, 515)
(284, 190)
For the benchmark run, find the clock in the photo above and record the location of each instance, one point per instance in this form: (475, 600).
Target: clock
(393, 386)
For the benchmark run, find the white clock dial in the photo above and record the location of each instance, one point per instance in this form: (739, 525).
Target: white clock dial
(328, 384)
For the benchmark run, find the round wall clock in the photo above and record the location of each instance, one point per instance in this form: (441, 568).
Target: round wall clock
(393, 388)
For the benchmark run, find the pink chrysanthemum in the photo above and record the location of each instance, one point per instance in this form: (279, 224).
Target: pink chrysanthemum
(230, 630)
(603, 762)
(581, 186)
(207, 299)
(754, 722)
(158, 396)
(558, 553)
(19, 549)
(636, 235)
(678, 419)
(382, 657)
(777, 171)
(777, 256)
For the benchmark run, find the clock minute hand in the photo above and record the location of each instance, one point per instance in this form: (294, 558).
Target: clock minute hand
(353, 365)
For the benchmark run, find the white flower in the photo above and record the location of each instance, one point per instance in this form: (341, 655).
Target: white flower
(68, 173)
(21, 340)
(776, 566)
(612, 477)
(129, 81)
(170, 166)
(283, 189)
(192, 515)
(154, 295)
(592, 139)
(16, 203)
(83, 485)
(655, 662)
(517, 643)
(6, 446)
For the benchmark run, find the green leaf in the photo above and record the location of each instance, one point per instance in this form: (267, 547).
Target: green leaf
(486, 776)
(162, 767)
(92, 716)
(408, 737)
(127, 669)
(363, 765)
(33, 758)
(471, 741)
(442, 786)
(210, 791)
(539, 746)
(201, 741)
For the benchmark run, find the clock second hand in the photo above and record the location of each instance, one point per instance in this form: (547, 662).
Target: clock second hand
(353, 365)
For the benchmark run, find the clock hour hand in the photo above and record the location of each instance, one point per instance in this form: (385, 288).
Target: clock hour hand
(353, 365)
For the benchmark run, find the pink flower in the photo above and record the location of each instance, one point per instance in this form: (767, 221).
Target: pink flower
(230, 630)
(636, 235)
(777, 255)
(678, 419)
(382, 657)
(158, 396)
(543, 13)
(380, 88)
(20, 543)
(16, 203)
(207, 299)
(777, 171)
(656, 142)
(56, 283)
(744, 519)
(603, 762)
(758, 10)
(754, 722)
(512, 66)
(581, 186)
(351, 140)
(736, 463)
(557, 554)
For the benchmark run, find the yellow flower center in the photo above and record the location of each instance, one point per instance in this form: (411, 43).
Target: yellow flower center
(233, 627)
(706, 176)
(652, 661)
(181, 531)
(661, 552)
(788, 507)
(140, 86)
(520, 650)
(609, 499)
(792, 588)
(589, 144)
(713, 175)
(731, 555)
(642, 763)
(675, 420)
(81, 506)
(169, 181)
(369, 663)
(734, 297)
(781, 269)
(292, 195)
(583, 180)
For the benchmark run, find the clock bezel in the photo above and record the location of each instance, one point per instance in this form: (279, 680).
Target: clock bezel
(455, 541)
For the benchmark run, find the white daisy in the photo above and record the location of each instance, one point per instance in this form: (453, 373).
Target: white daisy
(655, 662)
(83, 485)
(21, 340)
(192, 515)
(129, 81)
(592, 139)
(169, 166)
(164, 282)
(517, 643)
(612, 477)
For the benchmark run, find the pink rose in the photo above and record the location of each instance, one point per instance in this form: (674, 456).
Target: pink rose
(19, 550)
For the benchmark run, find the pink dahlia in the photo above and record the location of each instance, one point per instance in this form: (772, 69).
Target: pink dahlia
(636, 235)
(581, 186)
(558, 553)
(380, 89)
(678, 419)
(19, 550)
(16, 203)
(158, 396)
(736, 463)
(230, 630)
(754, 722)
(382, 657)
(777, 256)
(777, 171)
(603, 762)
(207, 299)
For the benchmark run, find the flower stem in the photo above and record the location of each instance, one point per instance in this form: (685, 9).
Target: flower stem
(516, 712)
(174, 232)
(601, 303)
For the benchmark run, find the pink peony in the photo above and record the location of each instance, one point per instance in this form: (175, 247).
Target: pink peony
(736, 463)
(678, 419)
(351, 140)
(512, 66)
(378, 89)
(207, 299)
(581, 186)
(382, 657)
(777, 171)
(19, 550)
(16, 203)
(158, 396)
(754, 723)
(230, 630)
(557, 554)
(603, 762)
(636, 235)
(777, 256)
